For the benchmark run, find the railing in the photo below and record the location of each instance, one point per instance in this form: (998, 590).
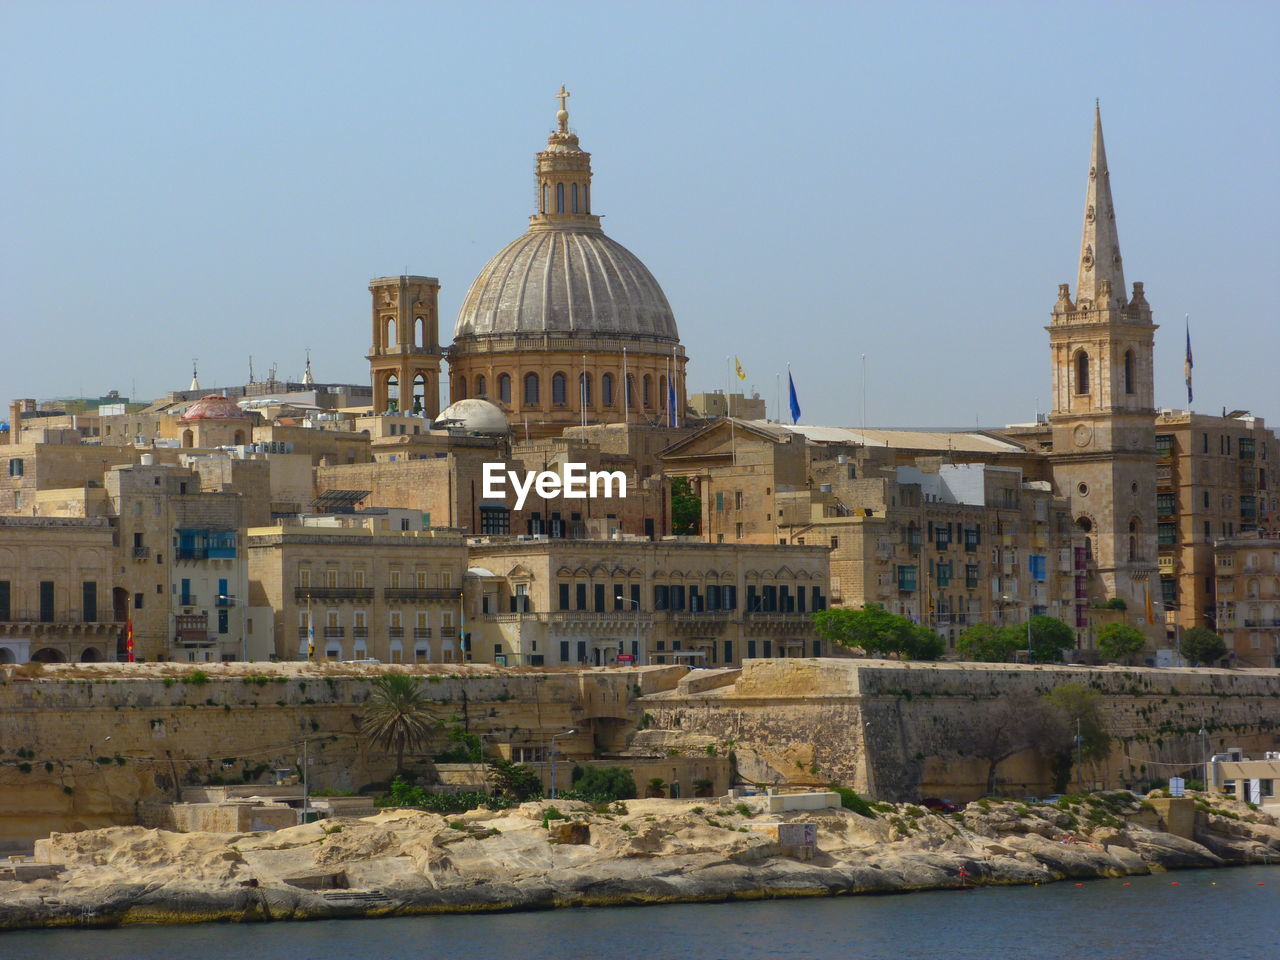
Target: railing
(335, 633)
(395, 633)
(422, 633)
(448, 632)
(187, 600)
(141, 553)
(1262, 623)
(421, 593)
(333, 593)
(1167, 564)
(360, 633)
(225, 602)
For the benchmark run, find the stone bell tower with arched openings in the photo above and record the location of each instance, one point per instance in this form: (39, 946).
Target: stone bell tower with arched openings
(1104, 456)
(404, 361)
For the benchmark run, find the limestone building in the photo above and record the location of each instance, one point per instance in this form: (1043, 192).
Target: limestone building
(565, 325)
(60, 595)
(1247, 615)
(365, 585)
(633, 601)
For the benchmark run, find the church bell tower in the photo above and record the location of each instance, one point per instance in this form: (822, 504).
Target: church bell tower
(404, 361)
(1103, 412)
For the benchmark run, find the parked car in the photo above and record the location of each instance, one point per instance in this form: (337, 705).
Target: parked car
(938, 805)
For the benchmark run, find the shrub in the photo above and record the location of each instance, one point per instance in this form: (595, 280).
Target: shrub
(850, 800)
(197, 678)
(604, 784)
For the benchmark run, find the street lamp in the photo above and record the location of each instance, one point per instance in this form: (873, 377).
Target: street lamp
(1009, 601)
(1208, 762)
(637, 606)
(553, 758)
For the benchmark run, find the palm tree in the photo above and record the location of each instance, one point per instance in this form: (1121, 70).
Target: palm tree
(398, 714)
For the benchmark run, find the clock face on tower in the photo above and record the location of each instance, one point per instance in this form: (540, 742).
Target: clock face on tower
(1082, 434)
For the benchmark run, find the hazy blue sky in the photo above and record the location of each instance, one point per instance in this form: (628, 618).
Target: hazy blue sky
(809, 182)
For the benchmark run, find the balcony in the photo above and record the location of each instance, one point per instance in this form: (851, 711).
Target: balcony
(395, 633)
(422, 633)
(1164, 474)
(360, 633)
(332, 593)
(421, 593)
(192, 630)
(141, 553)
(1167, 563)
(335, 633)
(448, 633)
(188, 600)
(68, 625)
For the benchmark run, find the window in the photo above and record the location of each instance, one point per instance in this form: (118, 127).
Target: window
(137, 601)
(944, 573)
(580, 596)
(564, 596)
(224, 620)
(906, 577)
(971, 576)
(1164, 444)
(495, 520)
(559, 384)
(676, 596)
(1166, 534)
(584, 388)
(504, 388)
(6, 599)
(606, 389)
(15, 467)
(559, 198)
(598, 597)
(531, 389)
(1082, 372)
(575, 198)
(661, 596)
(630, 399)
(1164, 504)
(46, 601)
(1128, 371)
(89, 601)
(719, 500)
(647, 391)
(481, 386)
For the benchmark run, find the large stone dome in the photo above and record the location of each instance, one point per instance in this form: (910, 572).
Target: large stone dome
(566, 282)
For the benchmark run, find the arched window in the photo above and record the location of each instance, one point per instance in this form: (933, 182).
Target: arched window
(504, 388)
(1128, 371)
(584, 389)
(559, 198)
(575, 198)
(647, 388)
(1133, 549)
(662, 393)
(586, 198)
(239, 438)
(546, 194)
(188, 438)
(606, 389)
(630, 399)
(461, 392)
(420, 331)
(531, 389)
(1082, 372)
(481, 386)
(393, 394)
(559, 387)
(389, 332)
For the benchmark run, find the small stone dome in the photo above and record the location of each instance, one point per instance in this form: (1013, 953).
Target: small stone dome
(214, 407)
(473, 416)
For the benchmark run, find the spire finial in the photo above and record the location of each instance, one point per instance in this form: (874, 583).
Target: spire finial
(195, 376)
(562, 115)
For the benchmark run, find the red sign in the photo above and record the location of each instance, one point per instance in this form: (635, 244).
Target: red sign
(626, 658)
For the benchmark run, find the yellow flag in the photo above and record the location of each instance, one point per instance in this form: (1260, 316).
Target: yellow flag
(737, 365)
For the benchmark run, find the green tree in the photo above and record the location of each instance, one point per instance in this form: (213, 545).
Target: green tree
(998, 728)
(1050, 638)
(1200, 645)
(878, 633)
(1080, 708)
(1120, 641)
(398, 716)
(686, 508)
(605, 784)
(990, 644)
(517, 781)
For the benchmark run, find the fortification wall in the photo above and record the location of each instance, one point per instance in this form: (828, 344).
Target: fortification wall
(889, 728)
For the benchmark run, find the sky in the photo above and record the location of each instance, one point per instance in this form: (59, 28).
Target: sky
(809, 182)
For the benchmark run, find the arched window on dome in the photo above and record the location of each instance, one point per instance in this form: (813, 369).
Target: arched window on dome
(575, 198)
(647, 391)
(586, 198)
(546, 195)
(460, 388)
(1082, 372)
(559, 198)
(481, 386)
(1128, 371)
(584, 389)
(504, 388)
(630, 400)
(606, 389)
(559, 389)
(530, 389)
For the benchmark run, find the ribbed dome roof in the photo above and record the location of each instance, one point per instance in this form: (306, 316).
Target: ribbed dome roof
(565, 282)
(214, 407)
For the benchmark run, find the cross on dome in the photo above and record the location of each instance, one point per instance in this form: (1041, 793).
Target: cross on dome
(562, 115)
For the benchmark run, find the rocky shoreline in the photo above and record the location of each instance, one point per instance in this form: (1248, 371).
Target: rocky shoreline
(546, 855)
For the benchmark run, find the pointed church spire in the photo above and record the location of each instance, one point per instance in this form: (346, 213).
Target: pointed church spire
(1101, 278)
(195, 376)
(307, 378)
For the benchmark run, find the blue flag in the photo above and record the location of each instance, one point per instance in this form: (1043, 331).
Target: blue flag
(671, 404)
(795, 403)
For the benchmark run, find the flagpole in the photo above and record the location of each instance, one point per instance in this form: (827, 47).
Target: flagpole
(582, 390)
(864, 399)
(626, 395)
(733, 437)
(777, 410)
